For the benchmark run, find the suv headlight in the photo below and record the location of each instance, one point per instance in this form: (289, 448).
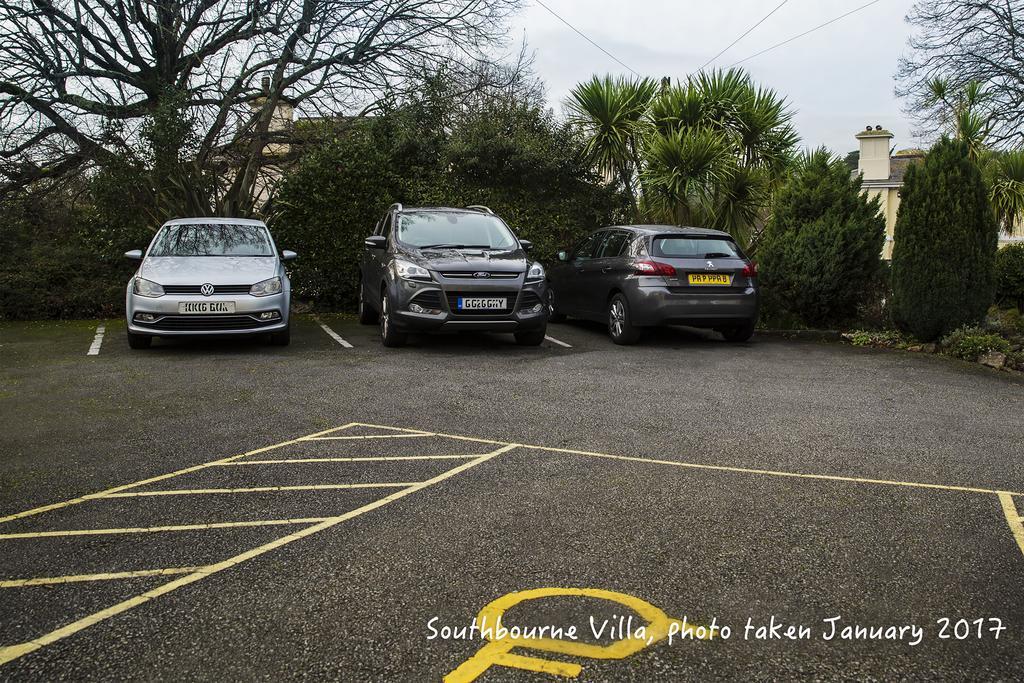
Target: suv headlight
(536, 273)
(410, 271)
(267, 287)
(144, 287)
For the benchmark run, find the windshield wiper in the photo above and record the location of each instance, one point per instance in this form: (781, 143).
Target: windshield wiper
(456, 246)
(718, 254)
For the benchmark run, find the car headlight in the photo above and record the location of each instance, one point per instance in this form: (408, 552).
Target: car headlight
(535, 273)
(410, 271)
(267, 287)
(144, 287)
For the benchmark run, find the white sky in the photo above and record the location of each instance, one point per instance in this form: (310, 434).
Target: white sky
(838, 79)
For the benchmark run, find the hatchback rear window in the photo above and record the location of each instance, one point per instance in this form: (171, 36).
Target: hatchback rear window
(695, 247)
(212, 239)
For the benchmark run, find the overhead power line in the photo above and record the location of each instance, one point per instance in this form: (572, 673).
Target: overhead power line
(819, 26)
(586, 37)
(745, 34)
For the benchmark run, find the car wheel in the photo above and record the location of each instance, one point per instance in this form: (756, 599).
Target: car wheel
(740, 333)
(389, 336)
(530, 337)
(282, 338)
(367, 316)
(620, 323)
(553, 315)
(139, 341)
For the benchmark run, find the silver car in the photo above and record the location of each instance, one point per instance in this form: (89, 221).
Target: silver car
(209, 276)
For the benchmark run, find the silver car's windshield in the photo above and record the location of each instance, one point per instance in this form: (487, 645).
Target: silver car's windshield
(454, 230)
(212, 239)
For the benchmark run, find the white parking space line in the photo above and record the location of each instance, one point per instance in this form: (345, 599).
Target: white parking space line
(334, 335)
(558, 341)
(94, 349)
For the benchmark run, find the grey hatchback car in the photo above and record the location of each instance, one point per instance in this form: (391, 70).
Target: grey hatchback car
(443, 269)
(637, 276)
(209, 276)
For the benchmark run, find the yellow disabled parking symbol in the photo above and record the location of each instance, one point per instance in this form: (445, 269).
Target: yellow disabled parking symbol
(498, 651)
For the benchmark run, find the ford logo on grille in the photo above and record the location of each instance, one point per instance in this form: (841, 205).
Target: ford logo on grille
(481, 274)
(206, 290)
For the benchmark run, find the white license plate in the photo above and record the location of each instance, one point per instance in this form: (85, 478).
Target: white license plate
(475, 304)
(188, 307)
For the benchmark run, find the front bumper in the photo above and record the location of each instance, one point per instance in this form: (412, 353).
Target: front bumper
(661, 305)
(526, 309)
(168, 322)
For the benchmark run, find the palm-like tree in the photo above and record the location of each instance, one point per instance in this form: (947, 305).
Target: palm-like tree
(613, 115)
(752, 124)
(708, 151)
(1004, 174)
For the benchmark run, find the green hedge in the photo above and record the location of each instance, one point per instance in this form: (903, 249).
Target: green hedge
(945, 245)
(53, 266)
(1010, 275)
(515, 159)
(820, 255)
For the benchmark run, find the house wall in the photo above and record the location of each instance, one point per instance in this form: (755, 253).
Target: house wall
(889, 198)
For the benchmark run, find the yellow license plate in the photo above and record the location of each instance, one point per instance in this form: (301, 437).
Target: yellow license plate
(710, 279)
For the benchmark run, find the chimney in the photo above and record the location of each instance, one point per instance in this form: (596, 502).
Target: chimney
(265, 83)
(874, 153)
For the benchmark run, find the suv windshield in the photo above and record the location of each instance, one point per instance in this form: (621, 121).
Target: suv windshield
(212, 239)
(695, 247)
(455, 230)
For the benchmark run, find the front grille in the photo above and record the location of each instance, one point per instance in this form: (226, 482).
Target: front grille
(201, 323)
(528, 299)
(217, 289)
(510, 302)
(471, 275)
(429, 299)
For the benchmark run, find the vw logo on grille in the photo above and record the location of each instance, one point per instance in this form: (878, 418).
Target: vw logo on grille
(481, 274)
(711, 265)
(206, 290)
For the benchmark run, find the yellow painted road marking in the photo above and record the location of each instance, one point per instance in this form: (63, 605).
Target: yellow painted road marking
(76, 578)
(161, 477)
(13, 652)
(283, 461)
(726, 468)
(157, 529)
(391, 429)
(366, 436)
(446, 436)
(498, 650)
(771, 473)
(260, 489)
(1013, 517)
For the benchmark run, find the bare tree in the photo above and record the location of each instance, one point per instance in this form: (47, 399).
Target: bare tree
(959, 42)
(80, 78)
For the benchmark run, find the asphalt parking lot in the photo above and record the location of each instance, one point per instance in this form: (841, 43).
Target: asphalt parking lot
(231, 510)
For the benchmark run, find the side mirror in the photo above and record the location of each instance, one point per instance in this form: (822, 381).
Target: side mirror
(563, 256)
(134, 255)
(527, 245)
(288, 255)
(376, 241)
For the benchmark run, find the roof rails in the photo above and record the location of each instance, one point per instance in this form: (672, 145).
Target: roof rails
(480, 207)
(396, 204)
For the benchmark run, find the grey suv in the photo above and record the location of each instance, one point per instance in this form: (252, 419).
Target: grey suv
(442, 269)
(638, 276)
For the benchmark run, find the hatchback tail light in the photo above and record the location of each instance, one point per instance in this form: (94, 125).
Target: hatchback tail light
(654, 268)
(750, 270)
